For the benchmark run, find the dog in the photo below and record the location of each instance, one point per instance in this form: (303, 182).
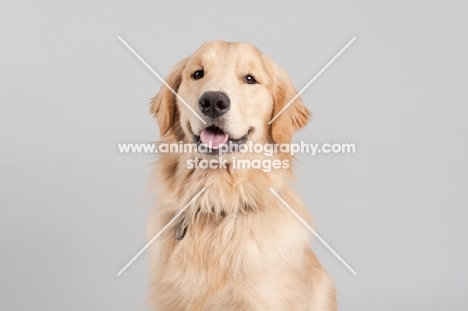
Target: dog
(236, 246)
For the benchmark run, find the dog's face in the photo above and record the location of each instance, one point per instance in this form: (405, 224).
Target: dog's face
(236, 90)
(229, 87)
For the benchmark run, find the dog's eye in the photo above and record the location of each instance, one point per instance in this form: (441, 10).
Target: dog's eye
(198, 74)
(249, 79)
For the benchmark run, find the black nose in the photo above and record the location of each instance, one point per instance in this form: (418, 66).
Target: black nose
(214, 104)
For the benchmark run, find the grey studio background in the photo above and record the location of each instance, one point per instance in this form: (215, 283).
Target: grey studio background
(73, 209)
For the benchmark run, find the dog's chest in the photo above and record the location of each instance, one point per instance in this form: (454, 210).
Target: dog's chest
(224, 241)
(234, 244)
(221, 260)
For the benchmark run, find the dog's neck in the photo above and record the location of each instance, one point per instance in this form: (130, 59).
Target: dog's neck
(228, 191)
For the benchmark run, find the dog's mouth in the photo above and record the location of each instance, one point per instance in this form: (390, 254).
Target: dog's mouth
(214, 140)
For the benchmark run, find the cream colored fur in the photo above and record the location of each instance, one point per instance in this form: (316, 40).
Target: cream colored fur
(243, 249)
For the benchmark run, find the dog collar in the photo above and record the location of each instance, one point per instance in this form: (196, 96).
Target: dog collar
(181, 228)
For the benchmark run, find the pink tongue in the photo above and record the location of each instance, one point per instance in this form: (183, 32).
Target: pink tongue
(213, 139)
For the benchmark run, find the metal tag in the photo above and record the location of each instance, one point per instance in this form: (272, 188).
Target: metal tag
(180, 229)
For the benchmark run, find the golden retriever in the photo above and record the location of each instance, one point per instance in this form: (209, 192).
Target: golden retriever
(236, 247)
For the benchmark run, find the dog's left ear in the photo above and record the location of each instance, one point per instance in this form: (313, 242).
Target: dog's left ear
(163, 105)
(294, 117)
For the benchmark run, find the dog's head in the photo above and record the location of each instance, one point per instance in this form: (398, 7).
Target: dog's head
(236, 90)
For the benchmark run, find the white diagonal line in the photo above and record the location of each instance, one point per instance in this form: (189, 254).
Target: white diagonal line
(313, 79)
(160, 232)
(313, 231)
(161, 79)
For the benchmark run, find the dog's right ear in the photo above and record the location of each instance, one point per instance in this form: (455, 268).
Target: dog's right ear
(163, 105)
(296, 114)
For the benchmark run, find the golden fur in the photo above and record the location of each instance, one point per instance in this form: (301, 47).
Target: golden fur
(243, 249)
